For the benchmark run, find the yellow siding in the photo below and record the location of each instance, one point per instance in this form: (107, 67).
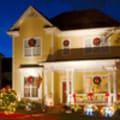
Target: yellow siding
(28, 29)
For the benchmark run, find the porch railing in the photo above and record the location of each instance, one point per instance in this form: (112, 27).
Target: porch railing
(98, 99)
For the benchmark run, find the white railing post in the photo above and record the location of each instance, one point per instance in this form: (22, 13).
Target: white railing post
(114, 86)
(45, 85)
(109, 88)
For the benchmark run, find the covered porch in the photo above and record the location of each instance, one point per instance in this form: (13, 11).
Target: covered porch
(88, 69)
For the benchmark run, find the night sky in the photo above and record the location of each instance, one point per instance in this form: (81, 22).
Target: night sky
(11, 10)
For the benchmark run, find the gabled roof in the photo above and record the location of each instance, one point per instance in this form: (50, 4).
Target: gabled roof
(96, 53)
(91, 18)
(30, 12)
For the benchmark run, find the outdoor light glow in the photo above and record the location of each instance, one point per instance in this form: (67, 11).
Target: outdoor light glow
(89, 110)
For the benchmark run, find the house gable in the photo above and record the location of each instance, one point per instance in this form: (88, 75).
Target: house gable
(30, 13)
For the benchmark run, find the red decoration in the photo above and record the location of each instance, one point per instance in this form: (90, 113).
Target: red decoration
(7, 88)
(107, 96)
(97, 80)
(96, 41)
(66, 43)
(118, 96)
(74, 97)
(39, 82)
(91, 96)
(32, 42)
(30, 79)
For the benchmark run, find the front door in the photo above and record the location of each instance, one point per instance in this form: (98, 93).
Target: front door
(64, 91)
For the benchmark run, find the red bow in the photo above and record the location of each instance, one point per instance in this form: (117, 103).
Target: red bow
(91, 96)
(107, 95)
(74, 97)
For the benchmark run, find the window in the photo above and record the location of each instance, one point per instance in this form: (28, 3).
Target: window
(95, 42)
(32, 47)
(30, 86)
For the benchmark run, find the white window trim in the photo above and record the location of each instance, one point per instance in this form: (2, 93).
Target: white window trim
(41, 45)
(91, 40)
(63, 47)
(26, 72)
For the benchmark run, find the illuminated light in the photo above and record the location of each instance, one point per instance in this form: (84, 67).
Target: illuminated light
(89, 110)
(108, 112)
(50, 101)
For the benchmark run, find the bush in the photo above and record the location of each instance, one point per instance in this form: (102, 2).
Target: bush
(8, 100)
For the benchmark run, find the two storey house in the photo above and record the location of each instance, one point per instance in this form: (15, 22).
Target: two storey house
(73, 57)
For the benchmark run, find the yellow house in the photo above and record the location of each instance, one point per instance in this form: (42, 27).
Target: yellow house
(73, 57)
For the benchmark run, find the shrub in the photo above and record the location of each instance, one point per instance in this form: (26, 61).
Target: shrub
(8, 100)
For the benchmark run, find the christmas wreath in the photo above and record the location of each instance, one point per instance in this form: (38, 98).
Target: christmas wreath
(66, 43)
(97, 80)
(96, 41)
(30, 80)
(32, 42)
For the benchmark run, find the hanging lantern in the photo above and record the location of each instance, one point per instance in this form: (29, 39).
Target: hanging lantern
(32, 42)
(91, 96)
(97, 80)
(96, 41)
(74, 98)
(66, 43)
(107, 96)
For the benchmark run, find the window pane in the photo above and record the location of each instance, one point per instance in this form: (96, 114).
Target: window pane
(36, 51)
(30, 89)
(34, 92)
(26, 45)
(28, 51)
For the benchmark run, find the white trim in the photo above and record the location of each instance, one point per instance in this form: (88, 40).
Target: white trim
(114, 86)
(67, 88)
(109, 88)
(52, 87)
(45, 86)
(41, 46)
(83, 32)
(82, 65)
(25, 15)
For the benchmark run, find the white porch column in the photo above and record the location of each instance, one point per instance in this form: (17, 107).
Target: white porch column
(67, 78)
(114, 85)
(72, 82)
(45, 85)
(52, 87)
(109, 88)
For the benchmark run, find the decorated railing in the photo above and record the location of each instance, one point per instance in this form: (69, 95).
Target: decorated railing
(98, 99)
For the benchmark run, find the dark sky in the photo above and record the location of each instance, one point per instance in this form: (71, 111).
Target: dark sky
(11, 10)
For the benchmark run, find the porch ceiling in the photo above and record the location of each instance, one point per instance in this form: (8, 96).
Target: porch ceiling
(83, 65)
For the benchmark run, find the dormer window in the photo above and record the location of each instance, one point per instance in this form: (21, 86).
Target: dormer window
(32, 47)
